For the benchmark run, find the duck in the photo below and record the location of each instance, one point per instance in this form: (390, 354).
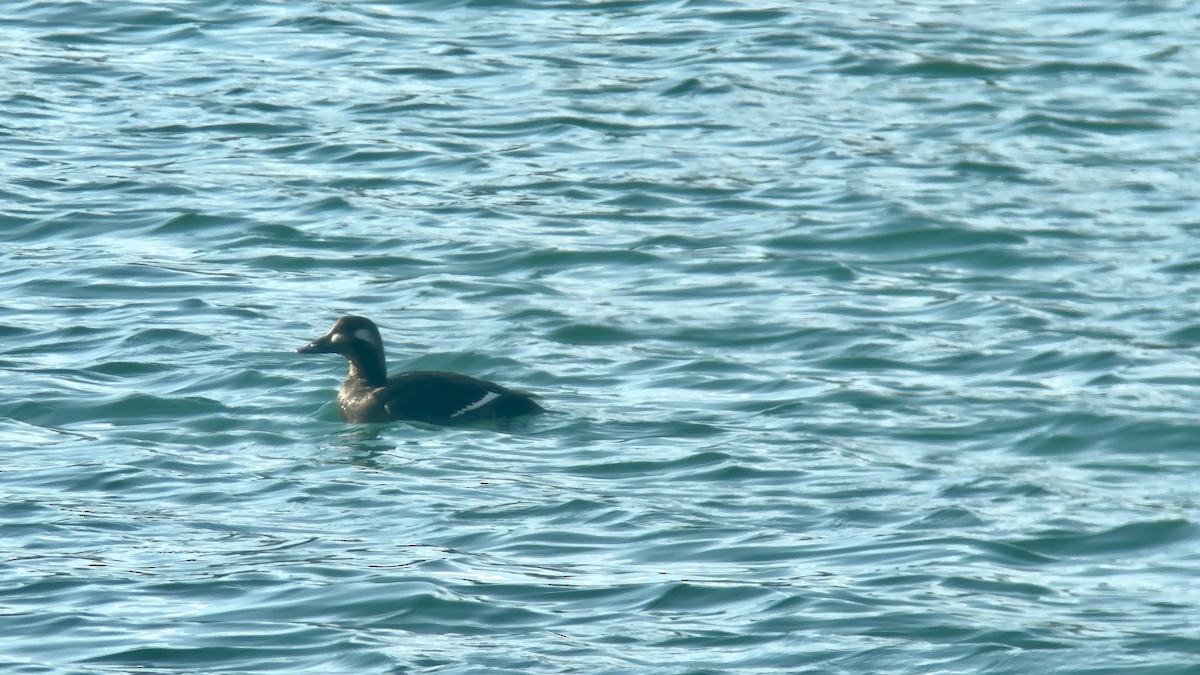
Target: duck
(435, 397)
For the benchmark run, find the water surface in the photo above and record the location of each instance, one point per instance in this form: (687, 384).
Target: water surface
(868, 332)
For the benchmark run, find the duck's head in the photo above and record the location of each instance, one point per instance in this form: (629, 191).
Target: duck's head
(357, 339)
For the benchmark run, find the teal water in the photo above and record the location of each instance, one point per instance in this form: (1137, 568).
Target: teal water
(869, 332)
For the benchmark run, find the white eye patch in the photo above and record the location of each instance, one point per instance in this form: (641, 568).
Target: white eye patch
(364, 335)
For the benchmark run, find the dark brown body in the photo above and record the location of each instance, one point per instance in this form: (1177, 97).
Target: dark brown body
(431, 396)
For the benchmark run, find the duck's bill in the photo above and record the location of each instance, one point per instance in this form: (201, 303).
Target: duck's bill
(321, 346)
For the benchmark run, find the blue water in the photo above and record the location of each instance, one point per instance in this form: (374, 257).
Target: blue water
(869, 333)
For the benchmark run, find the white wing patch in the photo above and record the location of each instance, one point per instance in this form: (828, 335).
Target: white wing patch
(487, 398)
(364, 335)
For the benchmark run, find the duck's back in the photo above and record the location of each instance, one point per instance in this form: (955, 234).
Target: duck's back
(450, 398)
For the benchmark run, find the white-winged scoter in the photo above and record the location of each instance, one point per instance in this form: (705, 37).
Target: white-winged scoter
(435, 397)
